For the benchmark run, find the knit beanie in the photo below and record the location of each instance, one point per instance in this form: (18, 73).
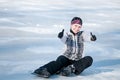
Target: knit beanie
(76, 20)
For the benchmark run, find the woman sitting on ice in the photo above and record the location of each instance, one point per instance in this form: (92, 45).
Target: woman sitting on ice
(72, 60)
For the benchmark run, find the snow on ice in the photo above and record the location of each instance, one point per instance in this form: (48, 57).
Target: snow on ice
(28, 36)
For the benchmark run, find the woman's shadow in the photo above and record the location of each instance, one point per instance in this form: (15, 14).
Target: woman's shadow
(101, 66)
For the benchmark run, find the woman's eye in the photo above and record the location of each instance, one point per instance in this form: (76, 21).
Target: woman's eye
(75, 25)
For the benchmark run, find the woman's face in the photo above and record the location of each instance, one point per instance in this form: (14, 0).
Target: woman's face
(76, 28)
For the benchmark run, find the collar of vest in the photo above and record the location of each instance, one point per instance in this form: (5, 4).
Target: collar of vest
(73, 32)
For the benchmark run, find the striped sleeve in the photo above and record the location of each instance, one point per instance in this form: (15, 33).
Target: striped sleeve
(64, 38)
(86, 36)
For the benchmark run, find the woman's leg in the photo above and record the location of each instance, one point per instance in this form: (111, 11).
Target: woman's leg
(82, 64)
(54, 66)
(65, 69)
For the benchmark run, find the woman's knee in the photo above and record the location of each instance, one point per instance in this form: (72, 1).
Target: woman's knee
(89, 59)
(63, 61)
(61, 58)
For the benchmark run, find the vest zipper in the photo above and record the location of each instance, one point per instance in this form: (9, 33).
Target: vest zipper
(75, 44)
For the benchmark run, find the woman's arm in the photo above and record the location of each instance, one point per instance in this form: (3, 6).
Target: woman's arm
(88, 36)
(62, 36)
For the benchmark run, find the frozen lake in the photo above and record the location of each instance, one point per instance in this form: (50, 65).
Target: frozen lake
(28, 36)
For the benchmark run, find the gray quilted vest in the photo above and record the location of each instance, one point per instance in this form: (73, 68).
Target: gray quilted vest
(69, 51)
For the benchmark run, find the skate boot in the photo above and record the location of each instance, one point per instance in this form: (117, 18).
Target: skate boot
(42, 72)
(66, 71)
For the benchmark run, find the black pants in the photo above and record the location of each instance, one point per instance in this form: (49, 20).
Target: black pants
(61, 62)
(82, 64)
(54, 66)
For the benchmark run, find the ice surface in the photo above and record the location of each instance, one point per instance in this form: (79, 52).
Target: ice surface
(28, 36)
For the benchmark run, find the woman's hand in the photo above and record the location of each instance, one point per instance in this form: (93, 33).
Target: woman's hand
(93, 38)
(60, 34)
